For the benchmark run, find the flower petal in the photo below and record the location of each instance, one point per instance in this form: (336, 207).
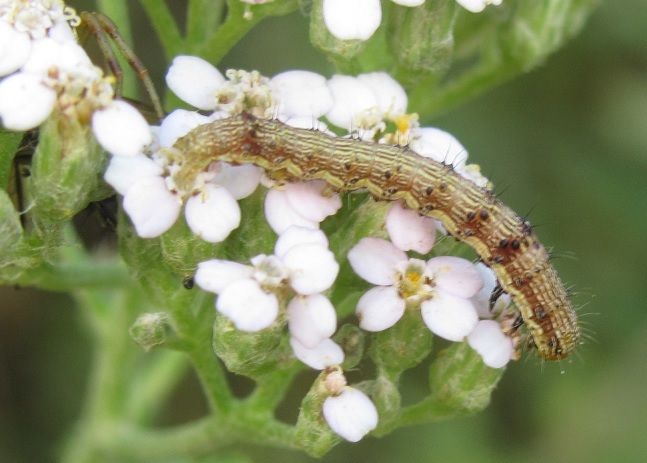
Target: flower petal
(410, 231)
(195, 81)
(351, 97)
(350, 414)
(439, 145)
(212, 214)
(294, 236)
(14, 48)
(308, 200)
(348, 20)
(24, 102)
(325, 354)
(121, 129)
(312, 267)
(281, 215)
(216, 274)
(311, 319)
(449, 316)
(247, 305)
(179, 123)
(391, 97)
(123, 172)
(151, 207)
(455, 275)
(495, 347)
(301, 93)
(375, 260)
(240, 181)
(380, 308)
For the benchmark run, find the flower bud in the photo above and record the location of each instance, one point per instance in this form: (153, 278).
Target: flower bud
(65, 171)
(312, 432)
(150, 329)
(322, 38)
(460, 381)
(422, 37)
(251, 354)
(10, 229)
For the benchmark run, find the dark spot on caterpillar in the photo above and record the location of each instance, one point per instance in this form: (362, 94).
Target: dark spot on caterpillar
(391, 191)
(428, 207)
(429, 190)
(527, 228)
(470, 216)
(484, 214)
(468, 232)
(503, 243)
(540, 313)
(347, 165)
(188, 282)
(498, 259)
(387, 174)
(519, 281)
(515, 244)
(443, 186)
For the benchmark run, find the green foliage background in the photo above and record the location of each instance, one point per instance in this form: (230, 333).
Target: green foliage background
(567, 141)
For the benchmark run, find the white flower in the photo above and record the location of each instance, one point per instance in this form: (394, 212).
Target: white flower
(354, 19)
(481, 300)
(359, 19)
(212, 214)
(311, 319)
(324, 355)
(441, 288)
(496, 348)
(24, 101)
(438, 145)
(302, 261)
(121, 129)
(350, 414)
(14, 49)
(301, 93)
(301, 204)
(195, 81)
(476, 6)
(152, 208)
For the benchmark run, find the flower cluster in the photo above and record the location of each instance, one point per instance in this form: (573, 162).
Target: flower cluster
(359, 19)
(45, 69)
(287, 287)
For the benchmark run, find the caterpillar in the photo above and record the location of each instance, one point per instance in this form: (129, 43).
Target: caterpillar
(471, 214)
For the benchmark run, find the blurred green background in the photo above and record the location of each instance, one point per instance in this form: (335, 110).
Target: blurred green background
(569, 141)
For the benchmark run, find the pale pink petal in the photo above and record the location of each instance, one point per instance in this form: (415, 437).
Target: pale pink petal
(350, 414)
(495, 347)
(307, 199)
(312, 267)
(325, 354)
(151, 207)
(311, 319)
(240, 181)
(212, 214)
(215, 275)
(375, 260)
(247, 305)
(281, 215)
(380, 308)
(409, 230)
(295, 236)
(449, 316)
(455, 275)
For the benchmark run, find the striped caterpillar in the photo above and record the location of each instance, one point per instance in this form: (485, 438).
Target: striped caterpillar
(504, 241)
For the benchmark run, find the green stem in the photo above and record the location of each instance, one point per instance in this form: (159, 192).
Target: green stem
(165, 26)
(69, 277)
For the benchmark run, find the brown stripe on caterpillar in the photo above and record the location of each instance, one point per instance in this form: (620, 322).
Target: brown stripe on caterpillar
(504, 241)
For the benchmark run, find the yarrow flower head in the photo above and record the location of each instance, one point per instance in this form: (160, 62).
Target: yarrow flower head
(359, 19)
(46, 69)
